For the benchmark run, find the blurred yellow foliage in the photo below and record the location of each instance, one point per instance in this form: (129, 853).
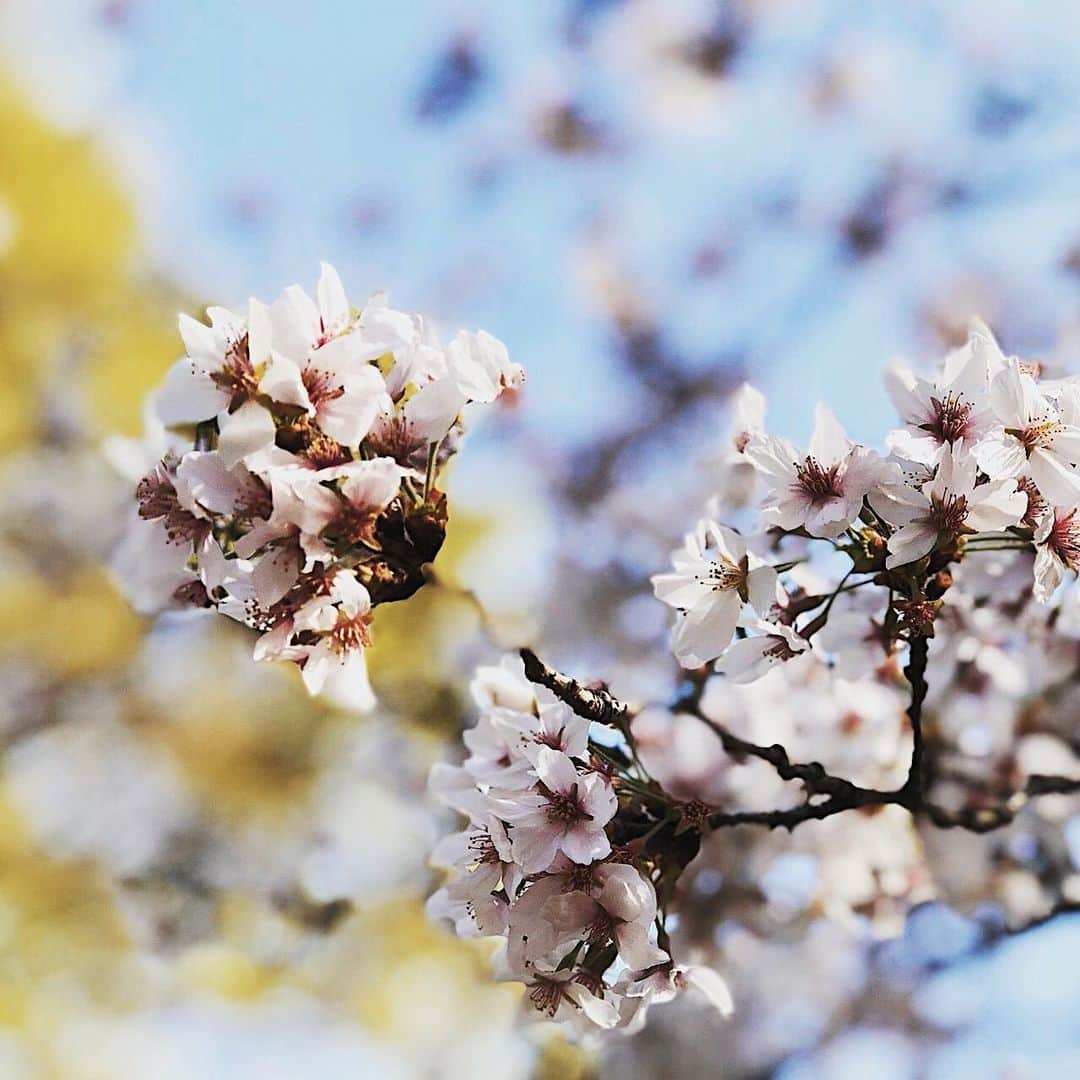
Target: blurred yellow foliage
(69, 300)
(82, 327)
(57, 921)
(72, 627)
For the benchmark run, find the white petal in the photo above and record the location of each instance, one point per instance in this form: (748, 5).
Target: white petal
(243, 432)
(347, 685)
(295, 323)
(1001, 455)
(910, 543)
(333, 303)
(187, 397)
(829, 443)
(1058, 481)
(282, 382)
(706, 981)
(275, 574)
(1049, 572)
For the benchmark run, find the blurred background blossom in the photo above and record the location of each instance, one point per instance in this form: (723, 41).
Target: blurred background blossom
(204, 873)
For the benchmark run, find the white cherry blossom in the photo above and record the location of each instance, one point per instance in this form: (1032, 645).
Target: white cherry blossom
(952, 504)
(1035, 434)
(821, 490)
(715, 576)
(567, 813)
(1057, 551)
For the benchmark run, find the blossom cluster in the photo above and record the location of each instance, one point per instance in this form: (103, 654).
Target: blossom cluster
(299, 447)
(557, 859)
(986, 460)
(815, 572)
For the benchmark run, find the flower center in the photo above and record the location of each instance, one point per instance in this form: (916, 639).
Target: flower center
(355, 524)
(351, 632)
(1036, 505)
(723, 574)
(1036, 435)
(320, 386)
(949, 514)
(565, 808)
(581, 879)
(951, 418)
(158, 500)
(555, 739)
(818, 483)
(236, 376)
(547, 995)
(324, 452)
(601, 929)
(1064, 539)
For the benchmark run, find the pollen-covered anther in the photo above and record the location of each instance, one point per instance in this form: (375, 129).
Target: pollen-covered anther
(1036, 435)
(949, 513)
(566, 807)
(351, 632)
(1064, 539)
(547, 995)
(1037, 504)
(320, 386)
(951, 418)
(818, 483)
(237, 377)
(483, 848)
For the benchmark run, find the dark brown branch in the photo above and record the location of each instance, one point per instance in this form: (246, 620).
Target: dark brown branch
(814, 775)
(984, 819)
(598, 705)
(915, 670)
(835, 794)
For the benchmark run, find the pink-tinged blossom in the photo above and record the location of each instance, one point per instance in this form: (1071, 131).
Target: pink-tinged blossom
(480, 365)
(566, 812)
(1035, 434)
(221, 378)
(495, 753)
(638, 991)
(822, 490)
(952, 504)
(620, 906)
(340, 622)
(749, 658)
(1057, 550)
(563, 995)
(480, 858)
(503, 685)
(715, 576)
(553, 725)
(736, 478)
(953, 407)
(321, 361)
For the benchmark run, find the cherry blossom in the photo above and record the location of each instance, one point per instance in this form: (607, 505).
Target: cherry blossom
(567, 813)
(714, 577)
(1034, 434)
(1057, 550)
(319, 447)
(822, 490)
(806, 692)
(951, 505)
